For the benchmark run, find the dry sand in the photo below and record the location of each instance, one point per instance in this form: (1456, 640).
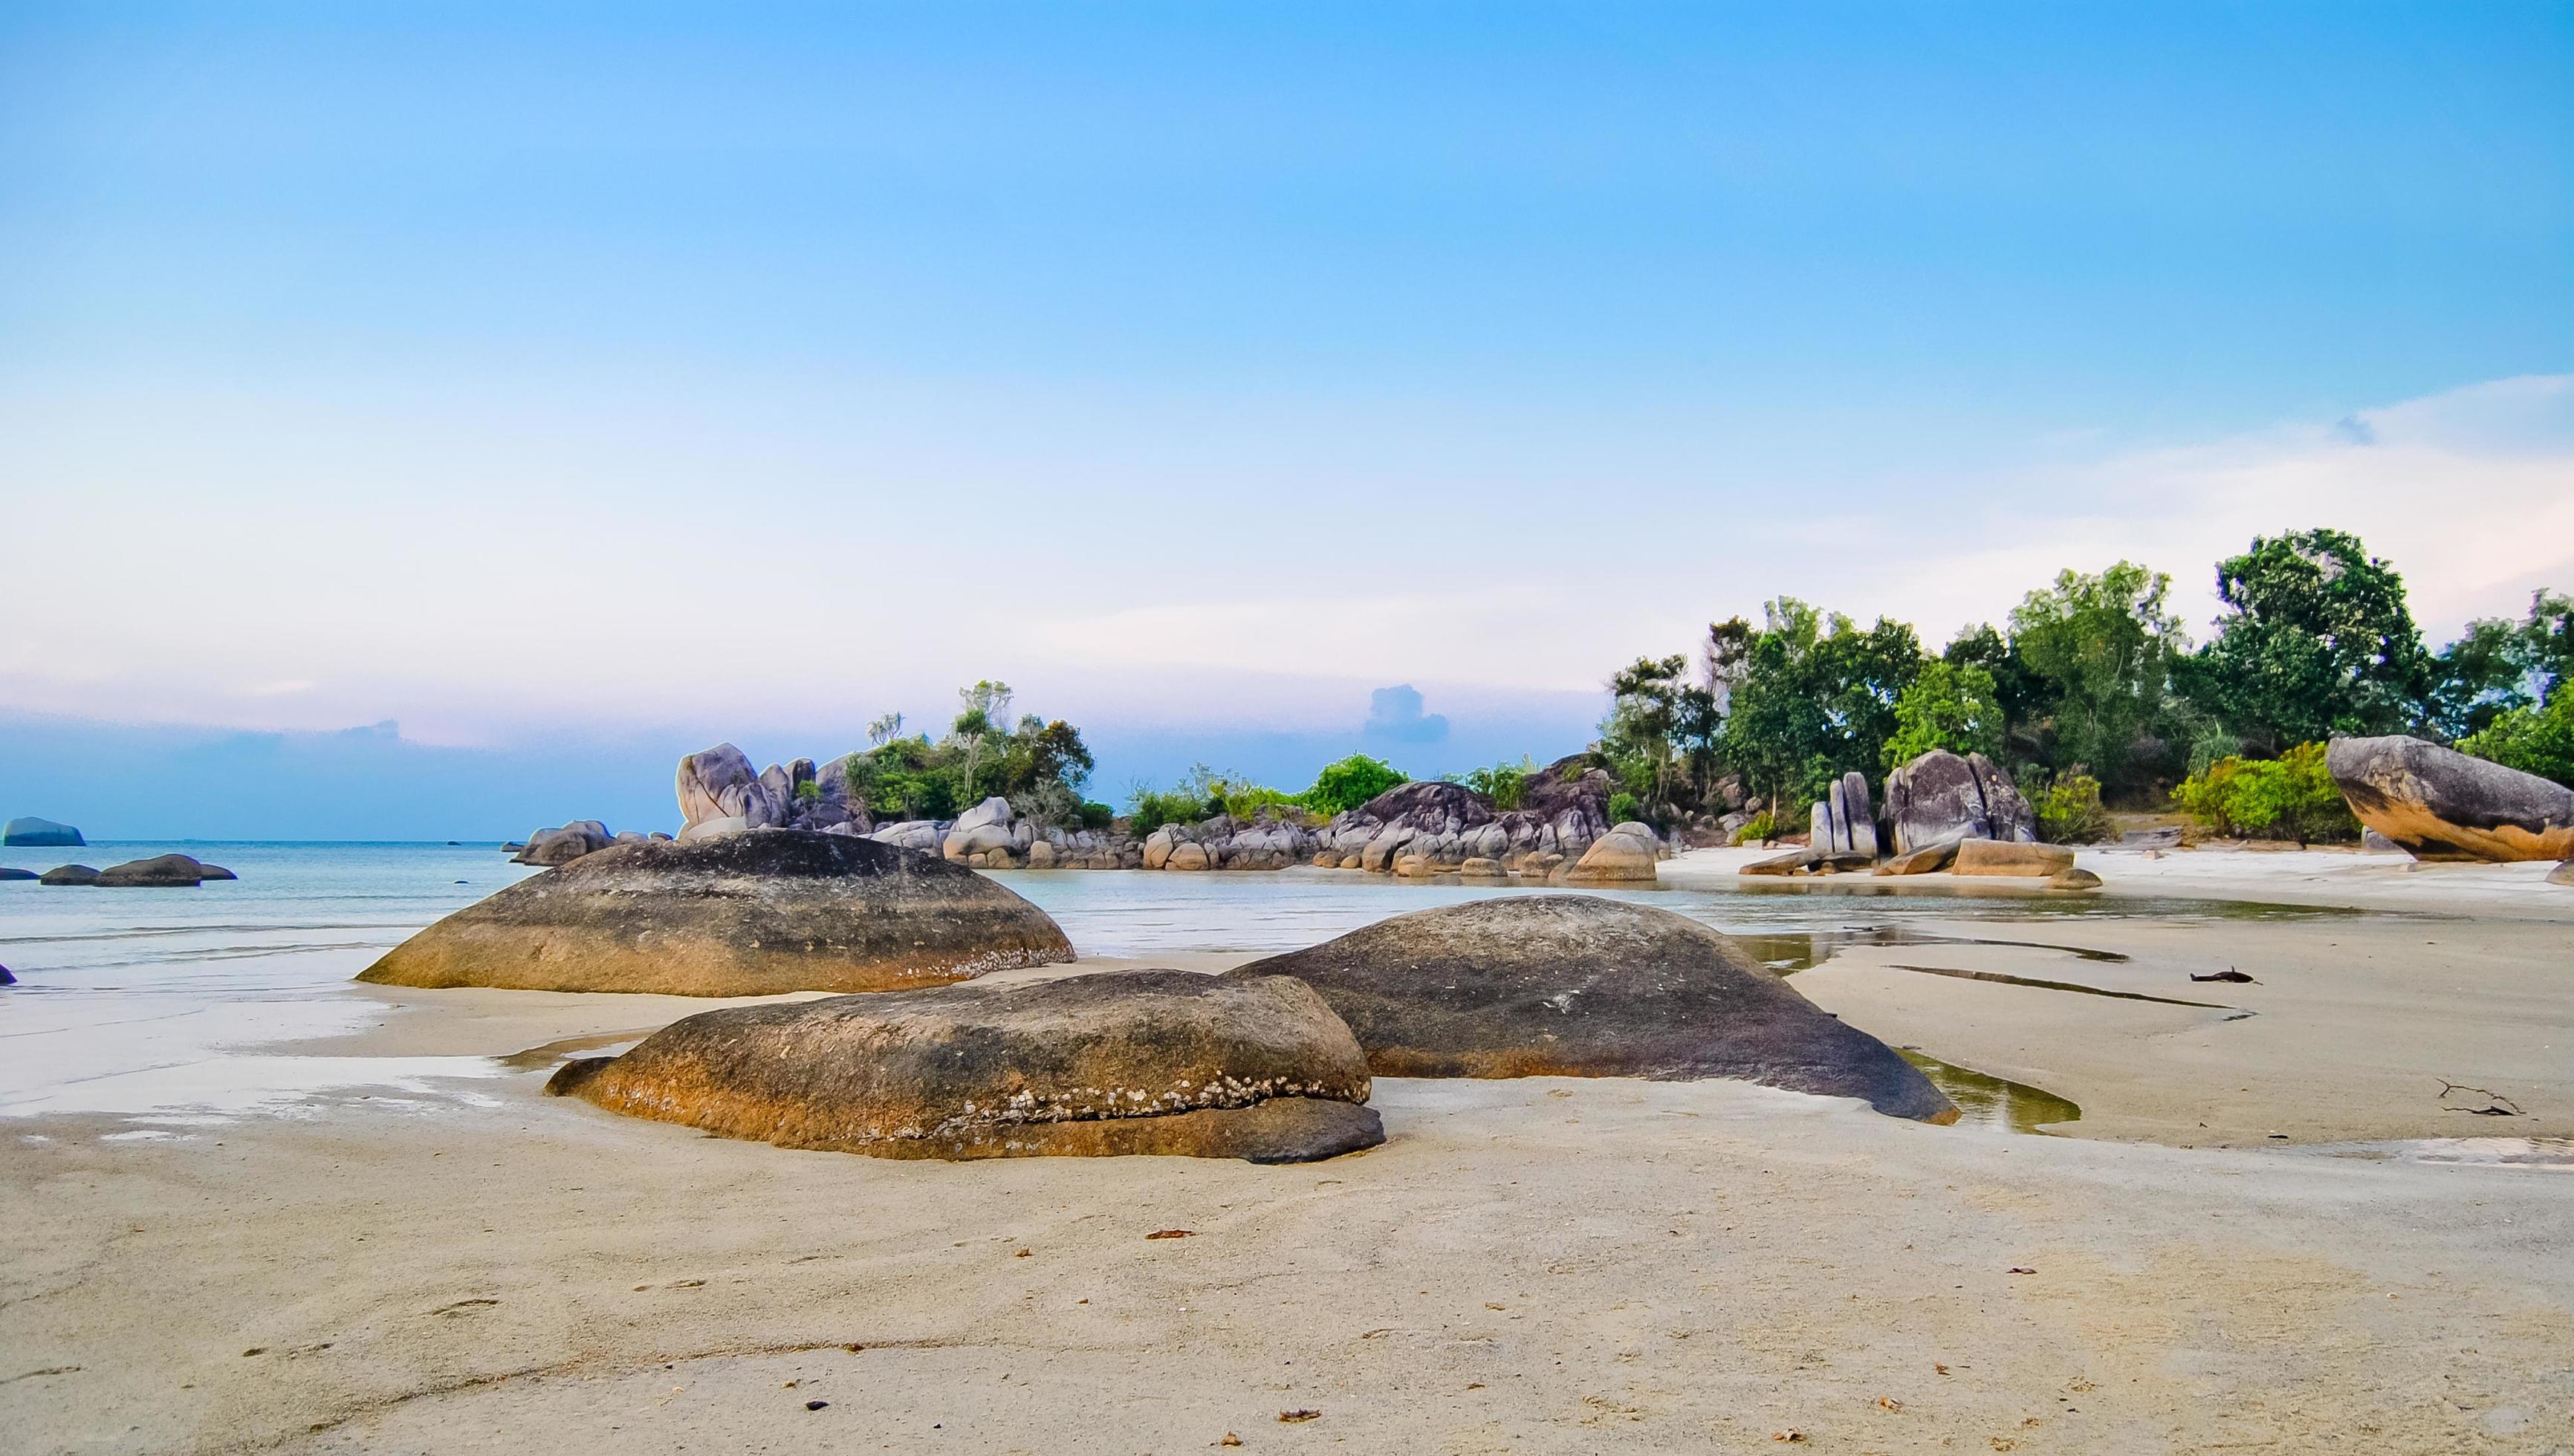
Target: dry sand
(1541, 1265)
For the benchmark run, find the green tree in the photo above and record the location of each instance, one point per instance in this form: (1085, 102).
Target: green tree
(1657, 720)
(1345, 785)
(1503, 783)
(2535, 740)
(2498, 665)
(2316, 640)
(2290, 797)
(1816, 699)
(2098, 650)
(2016, 690)
(1947, 706)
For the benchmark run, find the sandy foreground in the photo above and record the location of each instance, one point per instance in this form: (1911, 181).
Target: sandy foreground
(1538, 1265)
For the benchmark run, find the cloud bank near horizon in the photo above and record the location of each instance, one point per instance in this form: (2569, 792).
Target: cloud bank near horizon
(244, 585)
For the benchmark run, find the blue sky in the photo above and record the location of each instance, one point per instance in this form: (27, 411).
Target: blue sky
(542, 375)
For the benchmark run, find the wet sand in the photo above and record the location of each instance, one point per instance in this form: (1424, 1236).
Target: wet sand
(1540, 1265)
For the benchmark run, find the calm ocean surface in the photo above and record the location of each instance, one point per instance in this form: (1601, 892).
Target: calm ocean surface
(173, 1004)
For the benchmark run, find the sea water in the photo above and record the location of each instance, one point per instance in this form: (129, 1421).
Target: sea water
(179, 1003)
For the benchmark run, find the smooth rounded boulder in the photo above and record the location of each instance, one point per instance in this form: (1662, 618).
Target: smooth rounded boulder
(1112, 1064)
(2439, 804)
(1577, 986)
(160, 871)
(1626, 854)
(753, 914)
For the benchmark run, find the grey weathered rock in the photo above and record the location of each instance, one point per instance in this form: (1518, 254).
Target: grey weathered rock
(2440, 804)
(2562, 875)
(34, 833)
(8, 873)
(1577, 986)
(1928, 860)
(160, 871)
(1844, 820)
(1148, 1062)
(69, 875)
(2076, 877)
(1786, 862)
(565, 845)
(750, 914)
(705, 829)
(1944, 796)
(719, 783)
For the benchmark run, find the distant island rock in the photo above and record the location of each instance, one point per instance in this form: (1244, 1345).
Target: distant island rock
(1148, 1062)
(1577, 986)
(751, 914)
(7, 873)
(35, 833)
(2439, 804)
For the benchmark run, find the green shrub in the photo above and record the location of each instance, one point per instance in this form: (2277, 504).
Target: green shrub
(1345, 785)
(2069, 811)
(2288, 797)
(808, 793)
(1758, 826)
(1096, 816)
(1622, 807)
(1245, 800)
(1506, 783)
(2535, 740)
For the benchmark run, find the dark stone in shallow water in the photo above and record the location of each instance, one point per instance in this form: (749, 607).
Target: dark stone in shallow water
(1145, 1062)
(751, 914)
(1574, 986)
(69, 875)
(160, 871)
(6, 872)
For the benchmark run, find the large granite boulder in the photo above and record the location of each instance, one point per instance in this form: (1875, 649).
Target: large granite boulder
(562, 846)
(1577, 986)
(2562, 875)
(1943, 796)
(1147, 1062)
(2440, 804)
(719, 783)
(751, 914)
(69, 875)
(34, 833)
(1626, 854)
(1844, 821)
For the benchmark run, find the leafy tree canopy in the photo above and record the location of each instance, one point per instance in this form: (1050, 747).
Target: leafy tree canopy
(2098, 649)
(2316, 640)
(1950, 706)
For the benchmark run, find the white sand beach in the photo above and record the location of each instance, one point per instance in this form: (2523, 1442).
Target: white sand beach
(2264, 1232)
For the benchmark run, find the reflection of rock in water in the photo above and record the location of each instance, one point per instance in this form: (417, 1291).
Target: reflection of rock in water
(1992, 1102)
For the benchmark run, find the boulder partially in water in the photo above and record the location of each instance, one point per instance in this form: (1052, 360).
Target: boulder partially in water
(160, 871)
(551, 847)
(2440, 804)
(69, 875)
(1627, 854)
(1577, 986)
(1997, 857)
(751, 914)
(1148, 1062)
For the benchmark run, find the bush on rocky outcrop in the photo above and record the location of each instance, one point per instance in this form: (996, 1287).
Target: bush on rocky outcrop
(2535, 740)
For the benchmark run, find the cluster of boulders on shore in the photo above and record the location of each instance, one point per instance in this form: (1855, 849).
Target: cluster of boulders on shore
(1559, 832)
(1272, 1062)
(1944, 812)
